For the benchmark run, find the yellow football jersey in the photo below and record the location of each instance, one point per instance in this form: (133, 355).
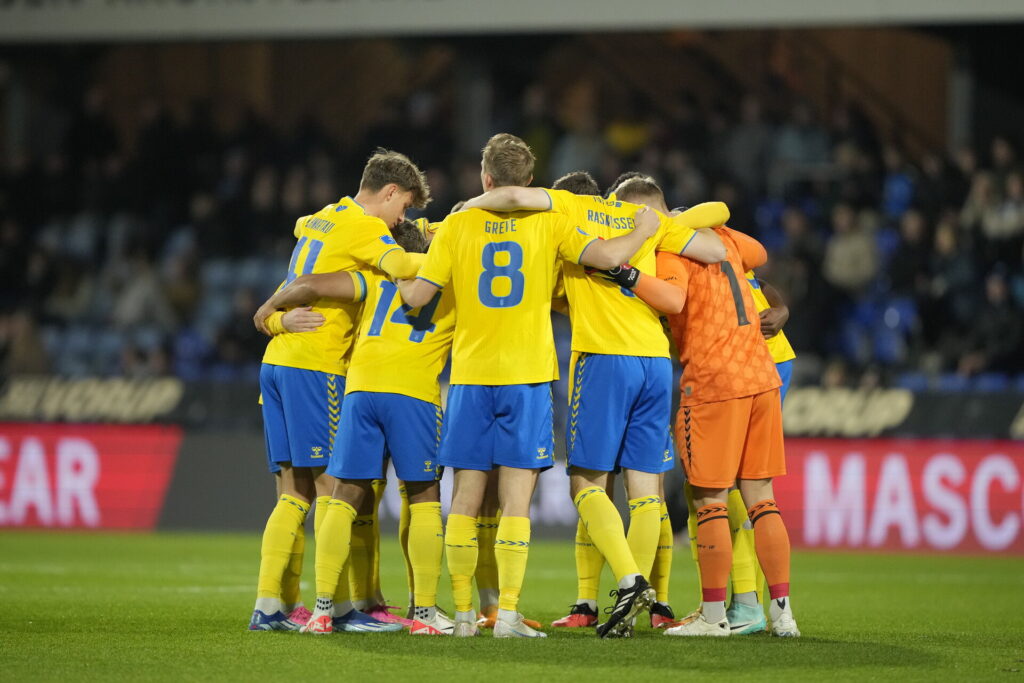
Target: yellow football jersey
(401, 350)
(606, 318)
(778, 345)
(501, 270)
(338, 237)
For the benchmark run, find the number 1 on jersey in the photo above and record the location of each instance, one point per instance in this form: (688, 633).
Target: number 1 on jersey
(421, 324)
(737, 294)
(312, 253)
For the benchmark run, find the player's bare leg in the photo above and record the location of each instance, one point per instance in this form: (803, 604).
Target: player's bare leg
(511, 549)
(461, 546)
(281, 537)
(714, 558)
(426, 544)
(771, 541)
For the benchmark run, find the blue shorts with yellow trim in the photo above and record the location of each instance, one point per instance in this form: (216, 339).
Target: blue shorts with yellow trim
(490, 426)
(374, 424)
(785, 369)
(620, 412)
(301, 409)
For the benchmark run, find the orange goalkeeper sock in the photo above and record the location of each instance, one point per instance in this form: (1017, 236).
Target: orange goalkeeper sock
(771, 541)
(714, 555)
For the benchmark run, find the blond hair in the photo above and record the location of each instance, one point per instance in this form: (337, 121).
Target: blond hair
(508, 160)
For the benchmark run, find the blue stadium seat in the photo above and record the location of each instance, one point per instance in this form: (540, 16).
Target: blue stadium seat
(248, 273)
(991, 382)
(106, 357)
(216, 274)
(913, 381)
(887, 241)
(952, 382)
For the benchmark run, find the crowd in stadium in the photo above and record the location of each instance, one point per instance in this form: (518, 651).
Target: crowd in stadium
(148, 257)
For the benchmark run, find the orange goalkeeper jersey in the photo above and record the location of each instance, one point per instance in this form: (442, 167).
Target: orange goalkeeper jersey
(718, 332)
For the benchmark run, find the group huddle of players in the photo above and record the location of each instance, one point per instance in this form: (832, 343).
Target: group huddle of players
(363, 326)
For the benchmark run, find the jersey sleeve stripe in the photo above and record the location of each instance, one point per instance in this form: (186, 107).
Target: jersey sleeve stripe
(551, 202)
(687, 243)
(420, 277)
(584, 250)
(361, 282)
(381, 259)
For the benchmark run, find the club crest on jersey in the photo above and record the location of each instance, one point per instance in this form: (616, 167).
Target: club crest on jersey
(317, 452)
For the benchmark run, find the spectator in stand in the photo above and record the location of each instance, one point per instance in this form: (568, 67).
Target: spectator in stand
(898, 184)
(21, 349)
(997, 333)
(748, 146)
(908, 267)
(1004, 231)
(800, 142)
(851, 259)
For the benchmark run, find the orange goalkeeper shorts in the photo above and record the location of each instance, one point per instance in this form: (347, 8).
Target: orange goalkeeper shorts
(740, 438)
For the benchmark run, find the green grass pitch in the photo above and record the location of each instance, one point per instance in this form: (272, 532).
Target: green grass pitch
(175, 606)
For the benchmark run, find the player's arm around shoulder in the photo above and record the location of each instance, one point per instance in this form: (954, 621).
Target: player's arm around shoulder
(434, 272)
(511, 198)
(673, 272)
(340, 285)
(752, 253)
(608, 254)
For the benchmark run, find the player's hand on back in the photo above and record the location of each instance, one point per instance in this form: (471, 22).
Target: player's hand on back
(773, 320)
(647, 221)
(302, 319)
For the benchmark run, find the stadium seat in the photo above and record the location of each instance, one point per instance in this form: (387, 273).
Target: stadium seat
(952, 382)
(913, 381)
(991, 382)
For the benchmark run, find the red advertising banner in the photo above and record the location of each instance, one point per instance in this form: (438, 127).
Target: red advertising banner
(904, 494)
(85, 476)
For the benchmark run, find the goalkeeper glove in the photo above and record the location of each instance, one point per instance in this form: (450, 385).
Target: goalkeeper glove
(625, 276)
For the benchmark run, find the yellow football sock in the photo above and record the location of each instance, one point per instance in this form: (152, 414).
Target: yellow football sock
(378, 494)
(403, 538)
(321, 510)
(744, 558)
(360, 562)
(662, 570)
(278, 540)
(332, 547)
(606, 531)
(426, 544)
(691, 528)
(461, 547)
(758, 578)
(589, 563)
(511, 550)
(291, 591)
(644, 529)
(486, 564)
